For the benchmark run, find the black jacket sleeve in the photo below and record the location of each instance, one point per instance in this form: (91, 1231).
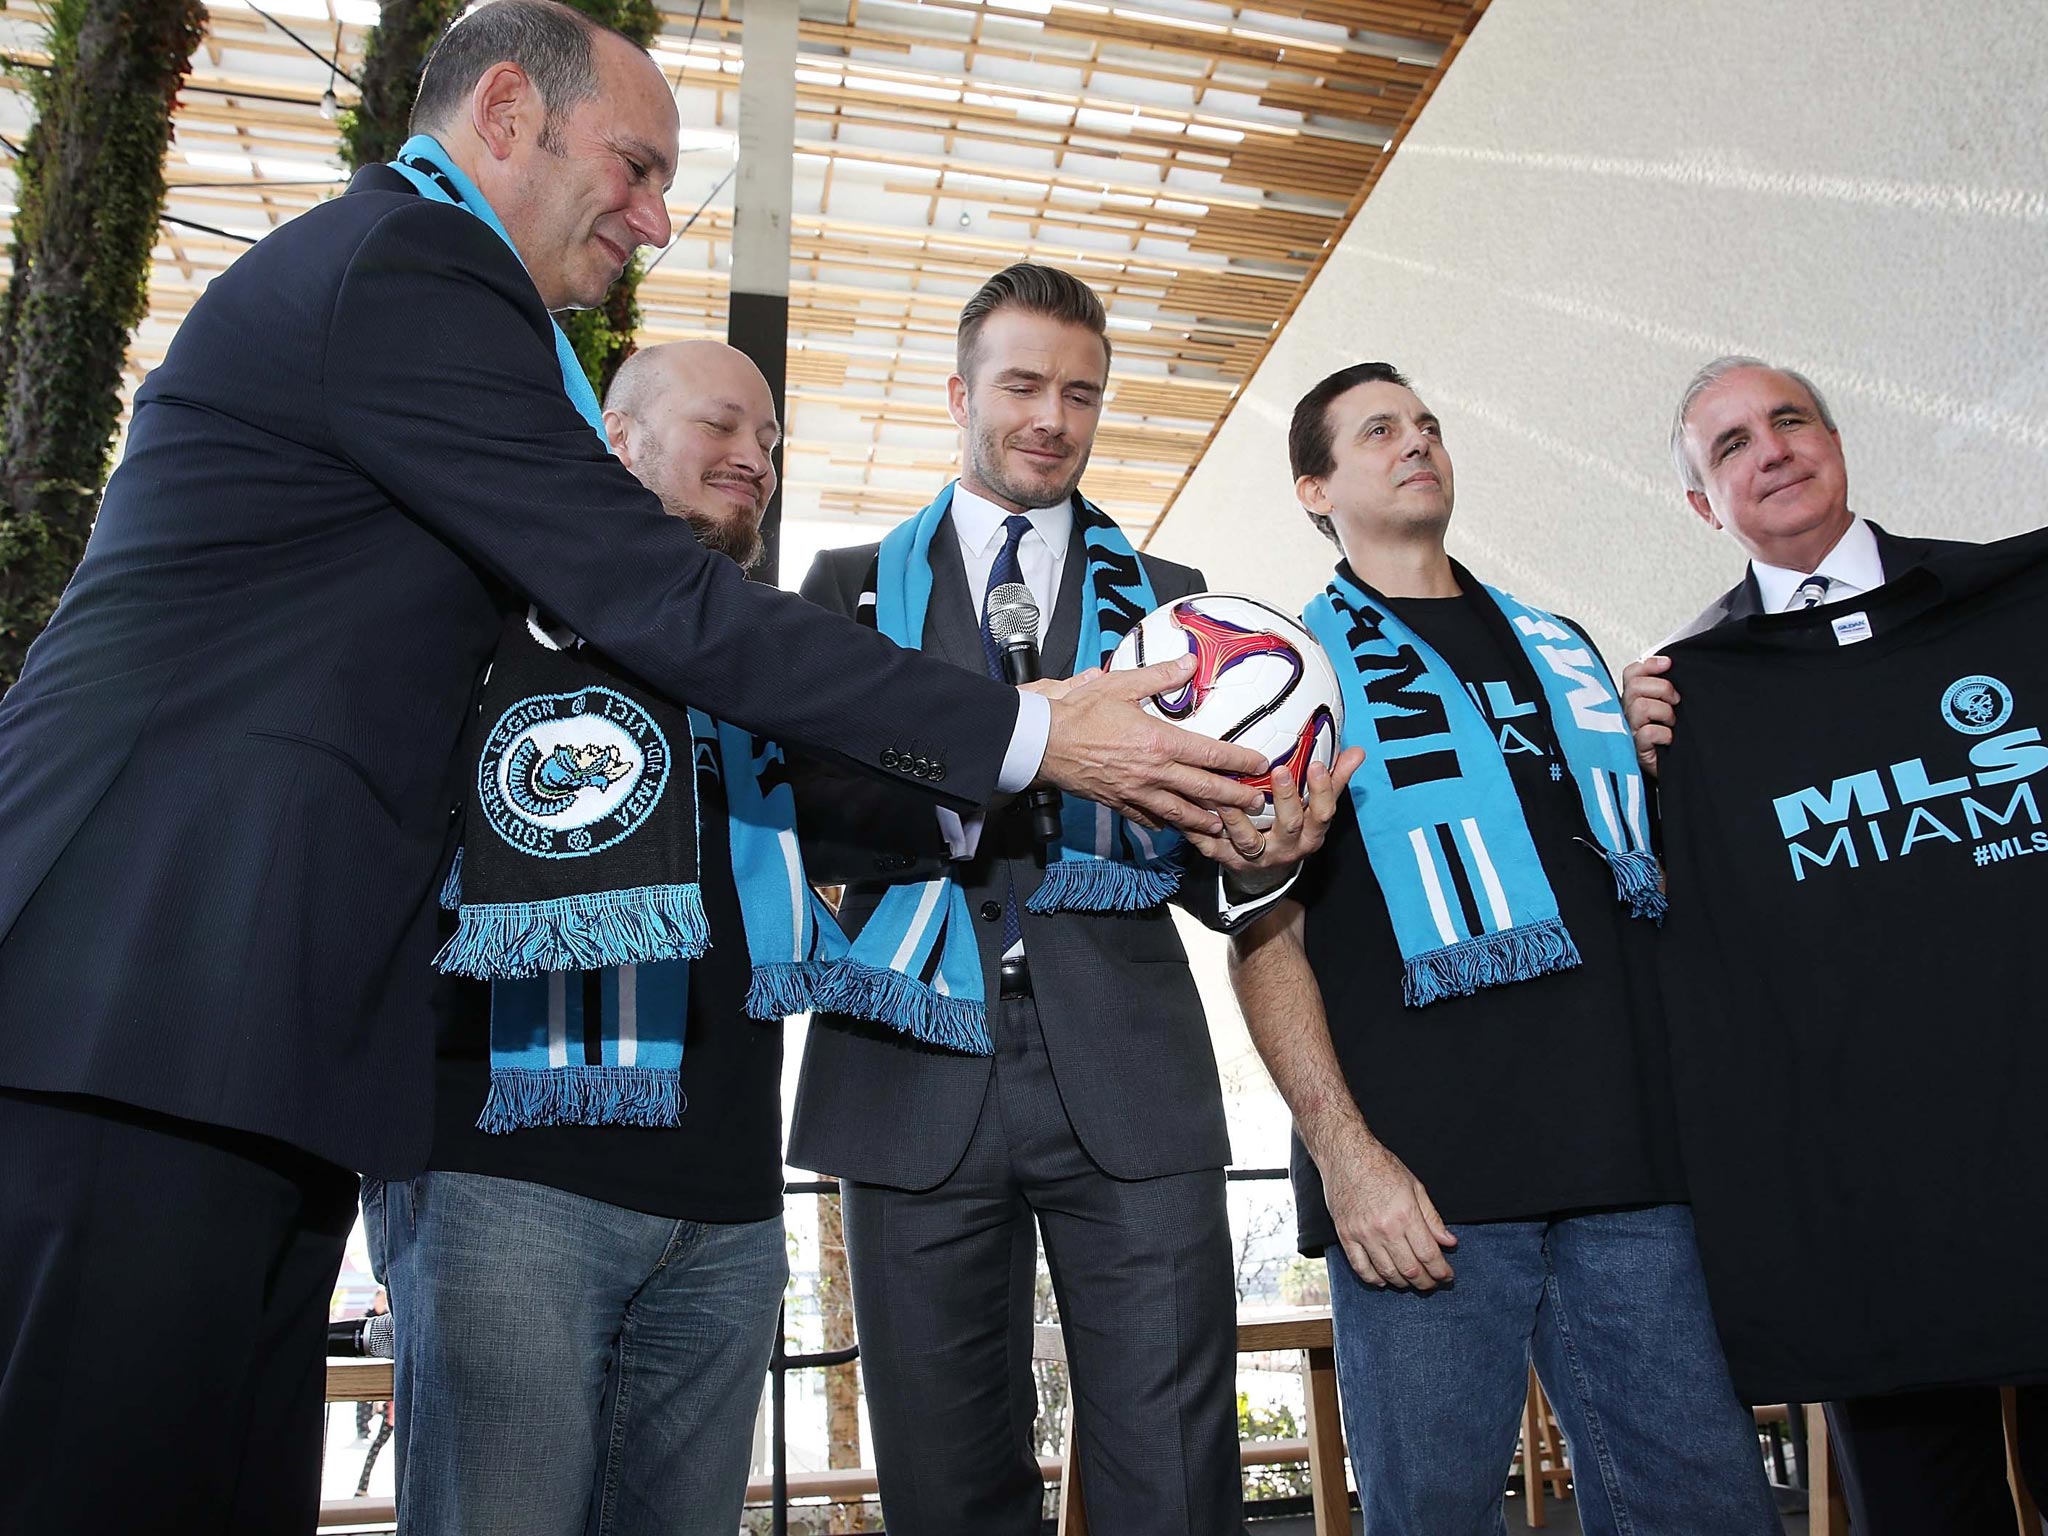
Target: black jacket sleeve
(857, 828)
(441, 383)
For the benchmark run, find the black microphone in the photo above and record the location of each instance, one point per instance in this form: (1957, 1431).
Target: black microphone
(1013, 623)
(369, 1337)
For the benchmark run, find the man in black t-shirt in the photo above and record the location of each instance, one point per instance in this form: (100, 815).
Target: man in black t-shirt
(1488, 1166)
(585, 1312)
(1759, 456)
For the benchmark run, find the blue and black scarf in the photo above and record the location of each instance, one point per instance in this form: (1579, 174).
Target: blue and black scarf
(918, 950)
(578, 887)
(1437, 807)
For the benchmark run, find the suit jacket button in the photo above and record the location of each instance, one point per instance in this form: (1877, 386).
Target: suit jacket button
(889, 758)
(991, 910)
(938, 772)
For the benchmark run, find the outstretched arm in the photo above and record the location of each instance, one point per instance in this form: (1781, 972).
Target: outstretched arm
(1390, 1232)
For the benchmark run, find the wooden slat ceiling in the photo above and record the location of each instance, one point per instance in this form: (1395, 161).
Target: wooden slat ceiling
(1193, 160)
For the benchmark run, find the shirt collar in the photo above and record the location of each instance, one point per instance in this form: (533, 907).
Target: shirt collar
(1854, 561)
(979, 522)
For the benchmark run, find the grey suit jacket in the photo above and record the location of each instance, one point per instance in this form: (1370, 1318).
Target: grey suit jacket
(1122, 1021)
(1744, 600)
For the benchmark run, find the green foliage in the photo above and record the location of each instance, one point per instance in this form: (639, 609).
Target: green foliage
(91, 191)
(1305, 1283)
(603, 337)
(638, 19)
(394, 53)
(394, 57)
(1275, 1423)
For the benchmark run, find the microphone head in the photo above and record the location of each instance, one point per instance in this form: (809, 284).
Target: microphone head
(1012, 614)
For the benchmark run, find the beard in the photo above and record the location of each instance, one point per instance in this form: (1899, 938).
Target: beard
(985, 449)
(738, 541)
(737, 535)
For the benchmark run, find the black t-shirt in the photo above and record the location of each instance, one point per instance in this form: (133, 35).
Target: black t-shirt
(724, 1162)
(1518, 1101)
(1858, 867)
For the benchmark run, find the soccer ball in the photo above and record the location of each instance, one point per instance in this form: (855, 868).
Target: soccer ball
(1261, 681)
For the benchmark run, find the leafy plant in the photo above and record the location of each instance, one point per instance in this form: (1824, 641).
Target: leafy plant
(91, 178)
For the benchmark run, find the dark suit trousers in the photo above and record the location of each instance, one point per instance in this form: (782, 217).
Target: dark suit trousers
(1933, 1463)
(163, 1311)
(942, 1291)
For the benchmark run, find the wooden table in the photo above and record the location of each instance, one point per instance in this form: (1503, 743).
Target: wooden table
(1307, 1331)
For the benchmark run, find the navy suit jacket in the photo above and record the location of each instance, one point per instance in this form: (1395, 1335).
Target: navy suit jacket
(1895, 556)
(229, 772)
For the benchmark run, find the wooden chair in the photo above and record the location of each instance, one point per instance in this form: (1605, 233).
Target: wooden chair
(358, 1381)
(1541, 1456)
(1828, 1512)
(1307, 1331)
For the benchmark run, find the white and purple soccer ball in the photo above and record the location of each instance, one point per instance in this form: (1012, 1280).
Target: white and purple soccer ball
(1261, 681)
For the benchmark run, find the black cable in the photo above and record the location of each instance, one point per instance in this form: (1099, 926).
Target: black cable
(677, 85)
(247, 184)
(288, 32)
(227, 90)
(205, 229)
(676, 238)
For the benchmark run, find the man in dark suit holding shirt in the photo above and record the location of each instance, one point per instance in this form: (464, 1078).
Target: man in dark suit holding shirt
(229, 769)
(1758, 452)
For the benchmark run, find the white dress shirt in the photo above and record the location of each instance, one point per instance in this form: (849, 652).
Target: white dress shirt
(1852, 567)
(981, 527)
(1042, 557)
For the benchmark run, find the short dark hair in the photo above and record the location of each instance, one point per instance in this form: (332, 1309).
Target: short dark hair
(555, 45)
(1310, 439)
(1036, 290)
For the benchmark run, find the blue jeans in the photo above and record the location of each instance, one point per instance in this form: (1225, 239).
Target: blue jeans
(566, 1366)
(1612, 1309)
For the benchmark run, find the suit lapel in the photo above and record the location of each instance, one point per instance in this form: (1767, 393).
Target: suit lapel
(1056, 654)
(1746, 600)
(1896, 556)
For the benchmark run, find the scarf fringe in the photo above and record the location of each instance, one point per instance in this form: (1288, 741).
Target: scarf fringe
(1639, 882)
(523, 1097)
(1461, 969)
(586, 932)
(1089, 884)
(786, 987)
(903, 1003)
(451, 888)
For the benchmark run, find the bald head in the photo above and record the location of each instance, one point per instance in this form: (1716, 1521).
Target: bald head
(695, 422)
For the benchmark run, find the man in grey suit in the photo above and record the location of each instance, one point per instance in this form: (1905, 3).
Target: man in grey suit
(1099, 1114)
(1760, 457)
